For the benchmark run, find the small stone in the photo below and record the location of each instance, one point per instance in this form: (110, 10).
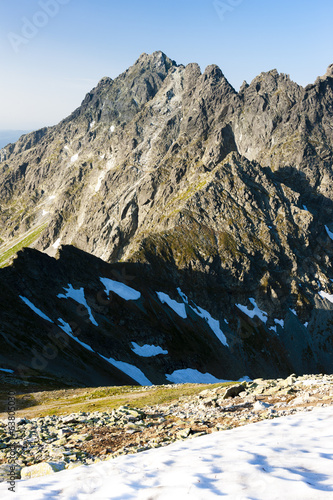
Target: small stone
(66, 431)
(81, 437)
(184, 433)
(42, 469)
(60, 442)
(73, 465)
(233, 391)
(260, 405)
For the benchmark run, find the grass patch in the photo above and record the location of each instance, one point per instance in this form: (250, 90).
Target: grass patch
(26, 241)
(67, 401)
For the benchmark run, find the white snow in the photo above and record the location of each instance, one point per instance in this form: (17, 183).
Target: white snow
(66, 147)
(330, 234)
(92, 124)
(213, 323)
(147, 351)
(253, 312)
(44, 213)
(183, 296)
(124, 291)
(78, 296)
(74, 158)
(67, 329)
(99, 181)
(287, 458)
(178, 307)
(309, 381)
(6, 370)
(112, 128)
(279, 322)
(305, 208)
(191, 376)
(52, 197)
(35, 309)
(56, 244)
(326, 295)
(130, 370)
(293, 311)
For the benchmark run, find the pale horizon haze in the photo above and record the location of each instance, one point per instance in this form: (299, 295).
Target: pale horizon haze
(55, 51)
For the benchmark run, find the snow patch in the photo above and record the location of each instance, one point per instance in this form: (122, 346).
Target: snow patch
(78, 296)
(279, 322)
(305, 208)
(35, 309)
(214, 324)
(67, 329)
(99, 181)
(44, 213)
(147, 351)
(327, 296)
(253, 312)
(91, 125)
(74, 158)
(191, 376)
(130, 370)
(281, 458)
(312, 381)
(124, 291)
(112, 128)
(57, 243)
(183, 296)
(66, 147)
(293, 311)
(173, 304)
(52, 197)
(6, 370)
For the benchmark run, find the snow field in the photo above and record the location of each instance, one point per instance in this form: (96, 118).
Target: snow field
(287, 458)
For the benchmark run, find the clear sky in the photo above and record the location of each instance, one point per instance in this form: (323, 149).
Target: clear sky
(52, 52)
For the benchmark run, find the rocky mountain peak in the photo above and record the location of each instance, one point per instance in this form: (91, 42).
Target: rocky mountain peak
(329, 71)
(157, 61)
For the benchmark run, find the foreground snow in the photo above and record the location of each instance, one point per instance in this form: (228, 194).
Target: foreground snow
(285, 458)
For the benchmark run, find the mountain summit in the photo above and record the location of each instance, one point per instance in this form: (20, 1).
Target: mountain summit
(219, 205)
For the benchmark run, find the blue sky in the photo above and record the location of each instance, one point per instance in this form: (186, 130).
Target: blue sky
(53, 52)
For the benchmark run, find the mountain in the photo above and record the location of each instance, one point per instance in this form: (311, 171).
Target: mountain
(10, 136)
(219, 200)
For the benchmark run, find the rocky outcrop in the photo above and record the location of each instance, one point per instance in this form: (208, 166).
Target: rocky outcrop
(77, 320)
(226, 195)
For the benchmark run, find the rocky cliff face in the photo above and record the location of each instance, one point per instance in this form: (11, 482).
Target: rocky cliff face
(224, 195)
